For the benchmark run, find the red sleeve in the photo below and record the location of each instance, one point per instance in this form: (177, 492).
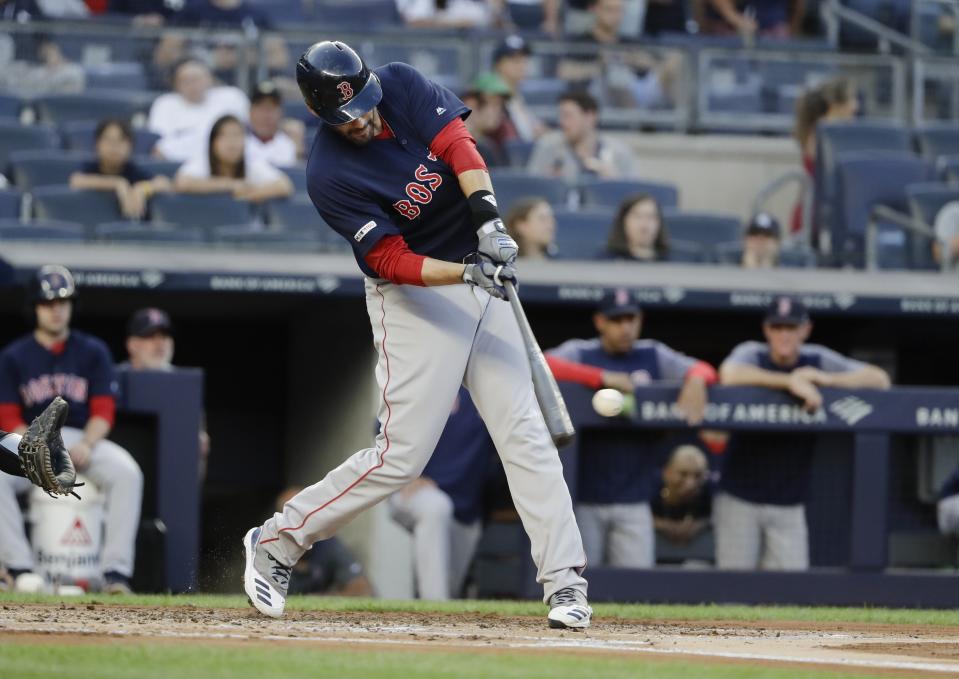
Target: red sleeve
(11, 417)
(392, 259)
(704, 370)
(568, 371)
(103, 406)
(455, 146)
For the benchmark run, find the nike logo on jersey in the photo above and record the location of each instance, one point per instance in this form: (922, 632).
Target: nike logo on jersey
(440, 110)
(369, 226)
(491, 200)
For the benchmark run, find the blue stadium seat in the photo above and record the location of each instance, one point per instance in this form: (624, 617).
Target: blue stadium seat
(203, 211)
(155, 167)
(511, 185)
(938, 140)
(32, 169)
(581, 234)
(282, 12)
(609, 193)
(789, 257)
(948, 168)
(926, 199)
(297, 175)
(12, 229)
(10, 107)
(138, 232)
(118, 75)
(255, 237)
(299, 214)
(518, 151)
(357, 14)
(17, 137)
(63, 108)
(684, 252)
(10, 204)
(706, 230)
(865, 181)
(543, 91)
(86, 207)
(78, 135)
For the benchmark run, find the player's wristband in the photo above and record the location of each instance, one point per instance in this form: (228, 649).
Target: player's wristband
(483, 207)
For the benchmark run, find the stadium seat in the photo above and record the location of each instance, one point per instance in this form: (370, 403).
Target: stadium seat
(299, 214)
(32, 169)
(78, 135)
(357, 14)
(281, 12)
(86, 207)
(155, 167)
(543, 91)
(609, 193)
(706, 230)
(938, 140)
(581, 234)
(10, 107)
(10, 204)
(684, 252)
(17, 137)
(926, 199)
(297, 175)
(866, 180)
(203, 211)
(63, 108)
(256, 237)
(511, 185)
(948, 168)
(13, 229)
(518, 151)
(138, 232)
(118, 75)
(789, 257)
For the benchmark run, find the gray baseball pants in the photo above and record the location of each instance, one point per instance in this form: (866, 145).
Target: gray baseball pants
(429, 341)
(750, 535)
(116, 474)
(618, 535)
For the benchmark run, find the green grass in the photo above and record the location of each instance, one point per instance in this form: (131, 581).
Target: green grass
(162, 661)
(534, 608)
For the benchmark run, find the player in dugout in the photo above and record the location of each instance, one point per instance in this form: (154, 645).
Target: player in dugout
(759, 511)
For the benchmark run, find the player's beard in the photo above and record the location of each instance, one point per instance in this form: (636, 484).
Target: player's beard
(364, 135)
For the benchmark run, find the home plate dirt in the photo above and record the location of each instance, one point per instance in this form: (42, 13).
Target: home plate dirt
(895, 649)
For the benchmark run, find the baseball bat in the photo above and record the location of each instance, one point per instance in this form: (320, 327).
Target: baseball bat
(548, 396)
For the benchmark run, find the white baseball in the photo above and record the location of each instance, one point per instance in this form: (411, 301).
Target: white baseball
(608, 402)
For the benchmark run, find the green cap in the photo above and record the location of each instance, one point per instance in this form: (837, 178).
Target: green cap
(491, 83)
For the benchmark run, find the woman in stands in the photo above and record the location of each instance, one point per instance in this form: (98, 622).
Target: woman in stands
(224, 168)
(114, 171)
(638, 233)
(531, 223)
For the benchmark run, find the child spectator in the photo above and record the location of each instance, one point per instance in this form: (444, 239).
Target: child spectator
(114, 171)
(761, 242)
(638, 233)
(531, 223)
(225, 168)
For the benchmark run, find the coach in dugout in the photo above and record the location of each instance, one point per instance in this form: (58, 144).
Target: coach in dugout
(758, 514)
(616, 469)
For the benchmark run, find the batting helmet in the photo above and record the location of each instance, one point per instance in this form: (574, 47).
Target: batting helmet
(336, 84)
(51, 283)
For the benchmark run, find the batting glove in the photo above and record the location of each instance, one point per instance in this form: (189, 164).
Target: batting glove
(490, 277)
(495, 244)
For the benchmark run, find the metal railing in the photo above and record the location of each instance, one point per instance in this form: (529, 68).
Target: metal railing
(834, 14)
(921, 11)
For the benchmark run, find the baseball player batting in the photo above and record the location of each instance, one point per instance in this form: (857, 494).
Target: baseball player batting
(394, 171)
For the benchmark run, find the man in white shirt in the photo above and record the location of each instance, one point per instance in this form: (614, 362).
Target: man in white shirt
(183, 117)
(264, 139)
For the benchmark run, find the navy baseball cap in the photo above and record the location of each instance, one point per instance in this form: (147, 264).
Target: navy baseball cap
(786, 310)
(619, 302)
(511, 45)
(150, 321)
(763, 224)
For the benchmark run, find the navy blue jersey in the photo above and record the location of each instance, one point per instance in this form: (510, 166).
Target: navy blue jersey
(619, 466)
(951, 486)
(32, 375)
(773, 468)
(461, 459)
(395, 186)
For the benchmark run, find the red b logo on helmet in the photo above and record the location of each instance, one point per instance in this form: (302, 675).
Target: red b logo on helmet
(345, 90)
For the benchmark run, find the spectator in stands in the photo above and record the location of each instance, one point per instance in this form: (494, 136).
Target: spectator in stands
(64, 9)
(223, 166)
(947, 509)
(450, 13)
(615, 68)
(616, 467)
(531, 223)
(113, 170)
(56, 360)
(146, 12)
(150, 346)
(169, 52)
(511, 63)
(443, 507)
(946, 244)
(638, 233)
(761, 242)
(50, 72)
(20, 11)
(758, 513)
(224, 13)
(683, 505)
(265, 139)
(183, 117)
(771, 18)
(577, 151)
(486, 98)
(532, 15)
(329, 567)
(665, 16)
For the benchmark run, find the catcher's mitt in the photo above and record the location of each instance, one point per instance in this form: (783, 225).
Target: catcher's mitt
(43, 457)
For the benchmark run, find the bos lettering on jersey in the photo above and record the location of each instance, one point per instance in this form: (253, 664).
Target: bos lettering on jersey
(419, 191)
(42, 389)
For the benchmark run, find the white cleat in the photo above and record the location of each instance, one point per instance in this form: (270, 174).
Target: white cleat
(568, 609)
(265, 579)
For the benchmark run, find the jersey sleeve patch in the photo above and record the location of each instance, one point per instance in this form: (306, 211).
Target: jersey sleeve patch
(365, 229)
